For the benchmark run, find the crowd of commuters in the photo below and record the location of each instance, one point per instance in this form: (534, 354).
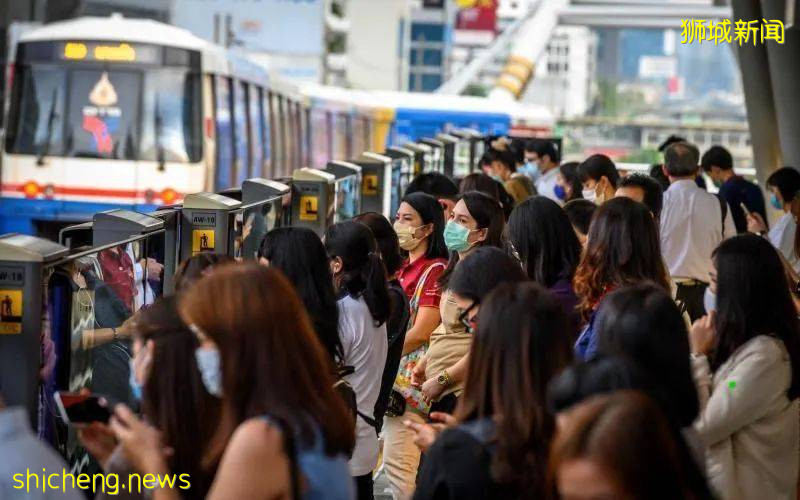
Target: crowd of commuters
(613, 336)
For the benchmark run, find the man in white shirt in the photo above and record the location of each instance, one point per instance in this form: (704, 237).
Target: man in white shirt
(547, 158)
(693, 223)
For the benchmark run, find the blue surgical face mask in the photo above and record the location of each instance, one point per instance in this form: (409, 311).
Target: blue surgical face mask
(456, 237)
(775, 202)
(709, 300)
(209, 366)
(136, 387)
(530, 169)
(560, 192)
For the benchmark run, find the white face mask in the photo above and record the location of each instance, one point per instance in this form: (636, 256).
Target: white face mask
(589, 194)
(208, 365)
(709, 300)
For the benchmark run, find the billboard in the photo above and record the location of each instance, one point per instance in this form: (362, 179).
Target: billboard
(477, 15)
(277, 26)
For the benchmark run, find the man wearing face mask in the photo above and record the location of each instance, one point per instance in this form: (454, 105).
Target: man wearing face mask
(547, 159)
(693, 223)
(600, 177)
(717, 162)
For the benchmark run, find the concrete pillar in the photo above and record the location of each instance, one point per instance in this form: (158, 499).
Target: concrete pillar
(757, 83)
(784, 73)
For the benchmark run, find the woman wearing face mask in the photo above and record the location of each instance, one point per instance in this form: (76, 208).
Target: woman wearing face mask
(360, 281)
(275, 439)
(746, 363)
(477, 222)
(568, 183)
(599, 176)
(420, 226)
(782, 187)
(178, 385)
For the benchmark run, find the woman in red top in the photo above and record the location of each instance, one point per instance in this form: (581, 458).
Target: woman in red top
(420, 226)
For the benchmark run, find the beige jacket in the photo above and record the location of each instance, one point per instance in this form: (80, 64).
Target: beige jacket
(750, 428)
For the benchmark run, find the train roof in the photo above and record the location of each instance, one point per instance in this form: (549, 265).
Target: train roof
(116, 28)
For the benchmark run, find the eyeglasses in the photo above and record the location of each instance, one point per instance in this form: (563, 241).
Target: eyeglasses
(470, 324)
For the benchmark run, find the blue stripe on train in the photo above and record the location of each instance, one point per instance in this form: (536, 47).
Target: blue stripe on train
(17, 215)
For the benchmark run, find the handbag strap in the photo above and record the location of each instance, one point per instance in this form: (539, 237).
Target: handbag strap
(419, 290)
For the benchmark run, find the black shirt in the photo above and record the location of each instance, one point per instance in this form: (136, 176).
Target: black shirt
(458, 465)
(737, 190)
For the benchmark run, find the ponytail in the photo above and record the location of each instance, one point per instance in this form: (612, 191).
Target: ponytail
(364, 274)
(375, 293)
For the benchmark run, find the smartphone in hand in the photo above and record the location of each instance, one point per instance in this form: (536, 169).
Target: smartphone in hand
(744, 209)
(82, 409)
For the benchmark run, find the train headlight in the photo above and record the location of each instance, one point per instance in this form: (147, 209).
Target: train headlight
(31, 189)
(168, 196)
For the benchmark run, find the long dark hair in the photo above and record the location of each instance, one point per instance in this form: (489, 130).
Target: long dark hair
(643, 324)
(753, 299)
(488, 214)
(384, 234)
(174, 398)
(544, 240)
(363, 274)
(569, 171)
(521, 342)
(265, 339)
(301, 257)
(430, 211)
(622, 249)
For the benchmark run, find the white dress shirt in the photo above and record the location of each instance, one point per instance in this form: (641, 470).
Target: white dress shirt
(546, 185)
(691, 228)
(782, 237)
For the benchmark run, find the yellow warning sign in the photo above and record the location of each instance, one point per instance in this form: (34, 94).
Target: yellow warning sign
(202, 241)
(309, 208)
(10, 311)
(369, 186)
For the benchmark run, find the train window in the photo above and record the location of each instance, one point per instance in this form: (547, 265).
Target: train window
(319, 133)
(240, 133)
(356, 136)
(103, 116)
(339, 130)
(37, 112)
(171, 117)
(268, 135)
(288, 133)
(254, 109)
(224, 132)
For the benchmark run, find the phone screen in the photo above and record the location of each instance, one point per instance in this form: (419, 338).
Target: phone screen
(82, 408)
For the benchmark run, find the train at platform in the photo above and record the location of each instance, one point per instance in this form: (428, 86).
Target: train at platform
(107, 113)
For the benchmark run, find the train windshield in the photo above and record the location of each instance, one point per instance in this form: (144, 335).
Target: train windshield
(110, 111)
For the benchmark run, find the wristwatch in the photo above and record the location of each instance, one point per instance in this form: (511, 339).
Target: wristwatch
(444, 379)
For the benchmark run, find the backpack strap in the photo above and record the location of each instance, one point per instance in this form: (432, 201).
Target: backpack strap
(723, 207)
